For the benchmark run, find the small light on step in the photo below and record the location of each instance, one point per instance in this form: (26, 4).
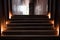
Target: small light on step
(3, 28)
(7, 22)
(57, 28)
(52, 22)
(10, 15)
(49, 15)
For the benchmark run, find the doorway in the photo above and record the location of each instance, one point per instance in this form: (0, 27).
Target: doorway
(29, 7)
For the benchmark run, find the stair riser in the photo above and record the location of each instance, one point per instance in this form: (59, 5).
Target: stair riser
(30, 28)
(47, 37)
(30, 24)
(29, 21)
(30, 16)
(29, 33)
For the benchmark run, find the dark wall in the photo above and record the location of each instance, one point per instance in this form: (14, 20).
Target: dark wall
(57, 14)
(6, 9)
(49, 5)
(1, 9)
(31, 7)
(1, 12)
(53, 9)
(58, 9)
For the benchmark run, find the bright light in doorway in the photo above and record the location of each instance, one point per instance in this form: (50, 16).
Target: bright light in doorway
(49, 15)
(24, 9)
(10, 15)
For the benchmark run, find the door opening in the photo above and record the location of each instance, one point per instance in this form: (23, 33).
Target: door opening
(30, 7)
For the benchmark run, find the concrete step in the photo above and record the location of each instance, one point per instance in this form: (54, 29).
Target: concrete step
(32, 37)
(30, 27)
(30, 21)
(29, 17)
(27, 36)
(30, 32)
(30, 24)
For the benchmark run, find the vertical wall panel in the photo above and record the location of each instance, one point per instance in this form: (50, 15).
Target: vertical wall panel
(41, 7)
(20, 7)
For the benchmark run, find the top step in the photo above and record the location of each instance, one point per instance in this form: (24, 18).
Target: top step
(30, 17)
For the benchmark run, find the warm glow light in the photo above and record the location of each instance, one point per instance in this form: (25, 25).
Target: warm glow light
(57, 30)
(52, 22)
(7, 22)
(10, 15)
(49, 15)
(3, 28)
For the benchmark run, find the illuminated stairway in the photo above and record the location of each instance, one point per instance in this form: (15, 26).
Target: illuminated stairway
(29, 26)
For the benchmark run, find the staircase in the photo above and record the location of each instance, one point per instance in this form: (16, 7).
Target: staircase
(29, 26)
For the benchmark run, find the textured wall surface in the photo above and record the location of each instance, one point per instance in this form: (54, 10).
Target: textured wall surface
(41, 7)
(21, 7)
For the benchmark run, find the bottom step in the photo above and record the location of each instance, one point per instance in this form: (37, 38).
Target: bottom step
(29, 36)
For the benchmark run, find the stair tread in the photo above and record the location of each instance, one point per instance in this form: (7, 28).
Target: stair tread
(30, 26)
(40, 21)
(11, 32)
(30, 16)
(30, 31)
(28, 23)
(29, 36)
(29, 19)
